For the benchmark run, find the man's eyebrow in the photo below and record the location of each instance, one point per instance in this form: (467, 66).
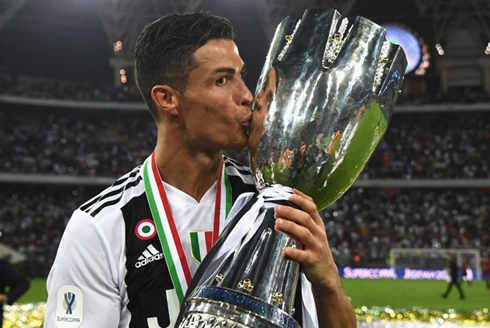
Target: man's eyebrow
(225, 70)
(230, 70)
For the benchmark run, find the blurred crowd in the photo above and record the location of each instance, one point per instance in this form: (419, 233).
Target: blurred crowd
(460, 95)
(433, 146)
(110, 143)
(363, 225)
(78, 143)
(33, 220)
(34, 87)
(40, 87)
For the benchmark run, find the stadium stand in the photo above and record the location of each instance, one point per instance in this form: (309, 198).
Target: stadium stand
(97, 143)
(34, 220)
(367, 223)
(78, 138)
(35, 87)
(61, 142)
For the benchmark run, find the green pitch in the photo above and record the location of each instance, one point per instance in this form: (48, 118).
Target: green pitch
(36, 293)
(397, 294)
(406, 294)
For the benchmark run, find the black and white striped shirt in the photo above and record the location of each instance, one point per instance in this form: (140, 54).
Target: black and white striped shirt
(104, 275)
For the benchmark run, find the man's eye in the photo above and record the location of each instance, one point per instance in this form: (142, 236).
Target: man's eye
(222, 80)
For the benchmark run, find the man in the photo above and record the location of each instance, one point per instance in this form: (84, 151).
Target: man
(17, 285)
(111, 269)
(453, 276)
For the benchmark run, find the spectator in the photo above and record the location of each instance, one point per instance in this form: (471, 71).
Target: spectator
(107, 143)
(369, 222)
(363, 225)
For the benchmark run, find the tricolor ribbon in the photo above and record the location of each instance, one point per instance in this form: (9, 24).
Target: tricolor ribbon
(166, 229)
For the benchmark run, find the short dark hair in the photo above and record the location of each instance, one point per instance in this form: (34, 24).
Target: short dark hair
(164, 50)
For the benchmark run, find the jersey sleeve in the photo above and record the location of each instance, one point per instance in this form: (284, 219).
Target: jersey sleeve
(310, 316)
(83, 287)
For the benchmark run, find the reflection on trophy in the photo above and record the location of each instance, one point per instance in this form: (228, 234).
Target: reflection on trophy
(263, 101)
(322, 104)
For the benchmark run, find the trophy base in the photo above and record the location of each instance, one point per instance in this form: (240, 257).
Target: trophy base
(212, 306)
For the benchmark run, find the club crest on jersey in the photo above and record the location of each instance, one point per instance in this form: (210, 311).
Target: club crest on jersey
(201, 242)
(145, 229)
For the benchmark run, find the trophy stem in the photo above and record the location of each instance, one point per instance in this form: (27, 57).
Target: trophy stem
(255, 285)
(260, 269)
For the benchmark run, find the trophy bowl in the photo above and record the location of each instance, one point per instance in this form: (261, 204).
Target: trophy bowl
(322, 103)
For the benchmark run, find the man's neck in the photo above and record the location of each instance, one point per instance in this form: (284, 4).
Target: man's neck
(191, 171)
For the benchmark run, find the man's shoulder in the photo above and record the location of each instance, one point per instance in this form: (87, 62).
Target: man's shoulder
(230, 160)
(238, 171)
(239, 177)
(235, 168)
(113, 198)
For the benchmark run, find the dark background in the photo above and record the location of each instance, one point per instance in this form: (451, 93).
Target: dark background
(65, 39)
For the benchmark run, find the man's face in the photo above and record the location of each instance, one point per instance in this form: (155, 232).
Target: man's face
(215, 112)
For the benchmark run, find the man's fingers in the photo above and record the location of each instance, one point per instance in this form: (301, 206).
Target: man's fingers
(295, 215)
(306, 204)
(299, 192)
(299, 233)
(295, 254)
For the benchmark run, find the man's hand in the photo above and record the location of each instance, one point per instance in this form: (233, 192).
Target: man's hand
(313, 252)
(315, 257)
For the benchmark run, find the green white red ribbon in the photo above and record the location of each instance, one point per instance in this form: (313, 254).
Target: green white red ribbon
(167, 231)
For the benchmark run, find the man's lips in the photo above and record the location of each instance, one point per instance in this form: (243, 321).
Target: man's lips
(246, 125)
(247, 121)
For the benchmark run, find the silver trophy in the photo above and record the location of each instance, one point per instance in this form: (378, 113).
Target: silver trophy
(322, 103)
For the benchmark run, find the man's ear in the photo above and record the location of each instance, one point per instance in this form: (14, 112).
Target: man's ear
(166, 99)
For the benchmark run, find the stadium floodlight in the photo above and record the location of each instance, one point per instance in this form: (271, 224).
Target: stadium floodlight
(449, 16)
(413, 45)
(8, 8)
(434, 258)
(123, 21)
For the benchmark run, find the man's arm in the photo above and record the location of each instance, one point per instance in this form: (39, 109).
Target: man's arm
(333, 307)
(82, 284)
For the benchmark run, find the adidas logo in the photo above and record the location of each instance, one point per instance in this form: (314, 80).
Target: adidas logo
(150, 254)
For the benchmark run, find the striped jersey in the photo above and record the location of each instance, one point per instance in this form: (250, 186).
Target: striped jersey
(110, 270)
